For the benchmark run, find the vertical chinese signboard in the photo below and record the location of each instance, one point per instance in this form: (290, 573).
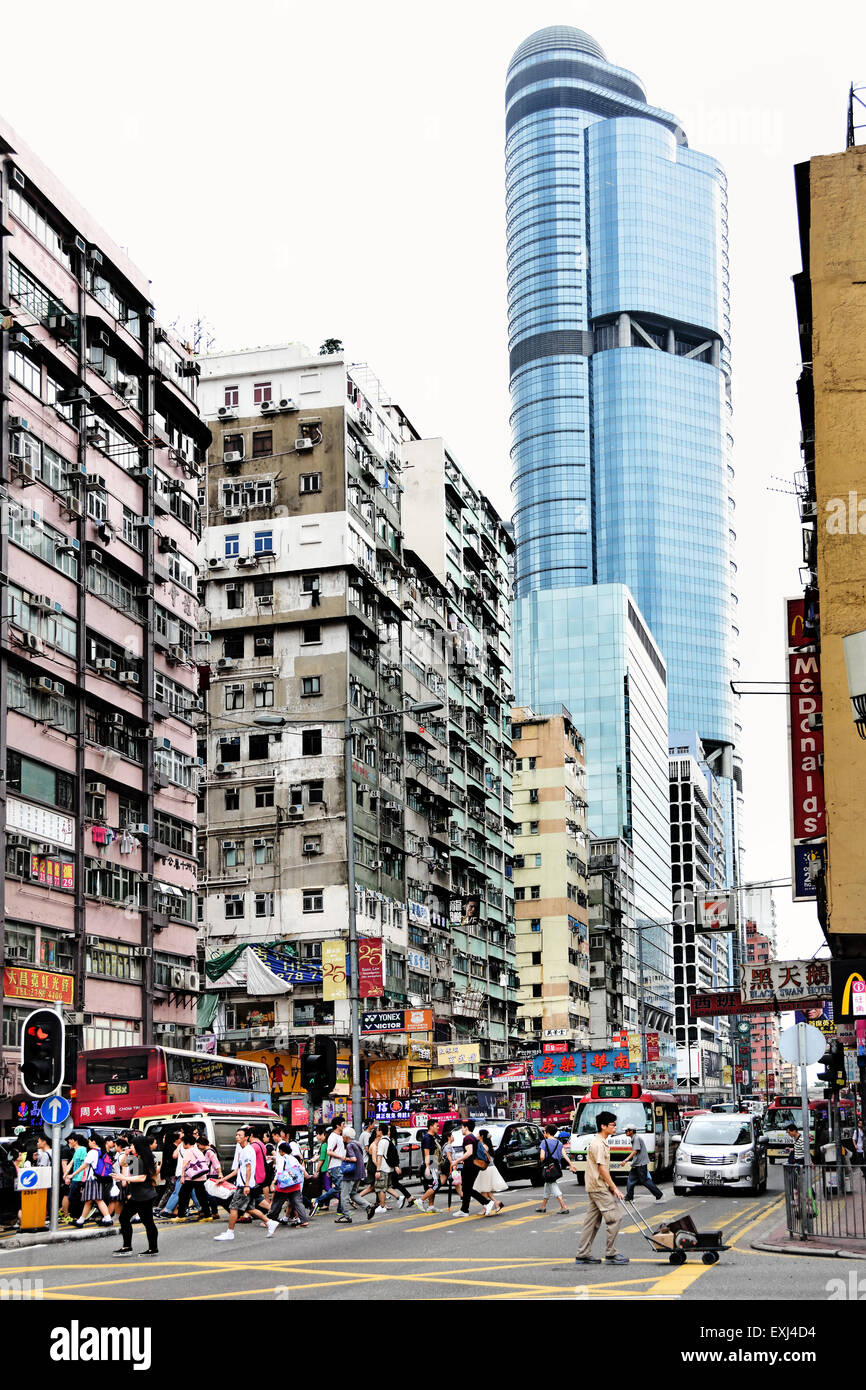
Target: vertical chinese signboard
(806, 747)
(372, 984)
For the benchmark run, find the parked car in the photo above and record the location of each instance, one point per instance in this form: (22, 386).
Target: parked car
(516, 1148)
(722, 1151)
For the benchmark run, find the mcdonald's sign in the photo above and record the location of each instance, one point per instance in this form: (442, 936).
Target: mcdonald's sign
(806, 744)
(849, 988)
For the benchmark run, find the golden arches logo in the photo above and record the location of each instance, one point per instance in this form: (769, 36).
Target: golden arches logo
(798, 618)
(846, 992)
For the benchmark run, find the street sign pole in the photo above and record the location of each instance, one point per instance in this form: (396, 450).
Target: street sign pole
(807, 1152)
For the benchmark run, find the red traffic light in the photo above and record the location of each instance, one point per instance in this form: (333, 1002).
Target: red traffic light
(42, 1049)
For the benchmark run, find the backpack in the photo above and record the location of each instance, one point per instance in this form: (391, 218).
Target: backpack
(104, 1166)
(552, 1170)
(392, 1158)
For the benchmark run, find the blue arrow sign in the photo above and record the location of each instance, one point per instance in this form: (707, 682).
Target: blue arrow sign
(28, 1177)
(55, 1110)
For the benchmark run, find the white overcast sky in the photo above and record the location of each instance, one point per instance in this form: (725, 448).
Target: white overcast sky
(296, 171)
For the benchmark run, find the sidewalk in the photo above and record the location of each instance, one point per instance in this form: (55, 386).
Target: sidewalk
(19, 1240)
(779, 1242)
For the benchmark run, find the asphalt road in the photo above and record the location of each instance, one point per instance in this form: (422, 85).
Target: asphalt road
(408, 1255)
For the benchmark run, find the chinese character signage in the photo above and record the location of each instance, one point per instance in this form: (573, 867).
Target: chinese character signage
(820, 1016)
(418, 913)
(52, 872)
(582, 1067)
(40, 823)
(806, 747)
(416, 960)
(462, 911)
(458, 1054)
(334, 969)
(42, 986)
(786, 981)
(722, 1003)
(372, 985)
(652, 1047)
(422, 1053)
(385, 1077)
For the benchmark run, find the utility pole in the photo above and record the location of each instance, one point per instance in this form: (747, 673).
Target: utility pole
(354, 974)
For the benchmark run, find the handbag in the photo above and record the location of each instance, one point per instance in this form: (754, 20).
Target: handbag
(552, 1169)
(481, 1163)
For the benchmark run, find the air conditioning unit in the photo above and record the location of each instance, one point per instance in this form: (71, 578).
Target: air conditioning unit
(129, 678)
(245, 561)
(95, 788)
(259, 842)
(178, 977)
(233, 456)
(17, 422)
(75, 1019)
(70, 505)
(139, 828)
(288, 404)
(214, 563)
(168, 545)
(296, 810)
(265, 600)
(226, 663)
(66, 546)
(142, 952)
(27, 472)
(91, 941)
(233, 513)
(377, 864)
(229, 844)
(303, 446)
(260, 642)
(43, 685)
(193, 980)
(269, 407)
(176, 654)
(221, 769)
(227, 412)
(312, 847)
(116, 721)
(105, 664)
(61, 325)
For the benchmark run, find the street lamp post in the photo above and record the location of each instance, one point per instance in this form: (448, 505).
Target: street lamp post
(354, 990)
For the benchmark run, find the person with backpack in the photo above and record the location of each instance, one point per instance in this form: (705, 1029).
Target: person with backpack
(198, 1167)
(139, 1176)
(472, 1164)
(353, 1170)
(489, 1181)
(552, 1156)
(431, 1166)
(288, 1182)
(261, 1171)
(96, 1173)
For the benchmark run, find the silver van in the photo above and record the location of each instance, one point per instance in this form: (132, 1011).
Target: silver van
(722, 1151)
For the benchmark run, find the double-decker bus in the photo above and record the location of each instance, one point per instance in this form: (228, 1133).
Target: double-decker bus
(785, 1110)
(112, 1083)
(557, 1108)
(654, 1114)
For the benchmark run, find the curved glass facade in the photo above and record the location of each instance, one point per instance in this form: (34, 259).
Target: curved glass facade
(620, 357)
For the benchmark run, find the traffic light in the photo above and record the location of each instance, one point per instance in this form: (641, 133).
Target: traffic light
(837, 1063)
(319, 1067)
(42, 1053)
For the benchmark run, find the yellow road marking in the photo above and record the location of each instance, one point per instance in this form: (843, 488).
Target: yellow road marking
(441, 1225)
(678, 1279)
(756, 1221)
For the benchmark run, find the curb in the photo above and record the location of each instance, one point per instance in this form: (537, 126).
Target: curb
(27, 1238)
(805, 1249)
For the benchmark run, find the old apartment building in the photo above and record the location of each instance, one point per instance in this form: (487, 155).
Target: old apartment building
(101, 445)
(319, 605)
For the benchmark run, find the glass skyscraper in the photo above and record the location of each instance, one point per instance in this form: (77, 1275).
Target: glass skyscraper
(620, 368)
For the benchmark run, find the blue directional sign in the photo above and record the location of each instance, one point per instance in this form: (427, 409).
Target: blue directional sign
(55, 1110)
(28, 1177)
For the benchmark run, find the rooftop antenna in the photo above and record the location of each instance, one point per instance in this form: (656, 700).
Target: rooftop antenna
(856, 92)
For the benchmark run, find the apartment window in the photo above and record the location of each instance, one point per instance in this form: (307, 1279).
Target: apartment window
(259, 747)
(310, 633)
(229, 749)
(263, 588)
(311, 742)
(264, 853)
(234, 596)
(261, 393)
(311, 482)
(311, 685)
(263, 443)
(234, 697)
(232, 546)
(97, 504)
(263, 692)
(517, 731)
(233, 444)
(310, 584)
(264, 797)
(533, 796)
(233, 799)
(535, 890)
(536, 957)
(315, 792)
(233, 645)
(538, 861)
(263, 542)
(535, 924)
(536, 991)
(25, 372)
(263, 645)
(132, 534)
(296, 795)
(234, 853)
(264, 905)
(312, 844)
(533, 827)
(232, 396)
(313, 900)
(532, 762)
(519, 895)
(234, 906)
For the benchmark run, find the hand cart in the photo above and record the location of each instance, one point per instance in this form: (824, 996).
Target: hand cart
(686, 1237)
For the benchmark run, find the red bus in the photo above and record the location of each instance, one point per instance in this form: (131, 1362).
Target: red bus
(113, 1083)
(654, 1114)
(558, 1108)
(785, 1110)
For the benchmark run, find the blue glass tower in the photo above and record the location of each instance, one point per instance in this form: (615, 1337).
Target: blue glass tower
(620, 365)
